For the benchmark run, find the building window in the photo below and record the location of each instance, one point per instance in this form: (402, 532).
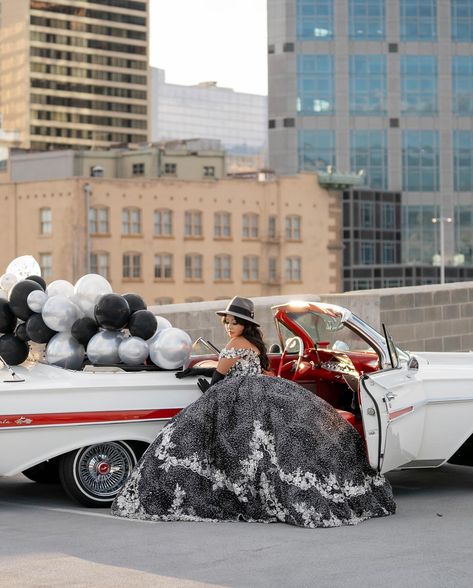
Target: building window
(367, 253)
(368, 85)
(209, 171)
(462, 20)
(293, 228)
(419, 84)
(420, 161)
(138, 169)
(193, 223)
(389, 253)
(163, 300)
(463, 161)
(367, 19)
(369, 154)
(222, 225)
(100, 264)
(46, 265)
(163, 266)
(250, 225)
(272, 270)
(315, 85)
(170, 169)
(462, 85)
(293, 269)
(272, 227)
(163, 223)
(316, 150)
(193, 263)
(367, 215)
(389, 216)
(418, 20)
(250, 268)
(362, 284)
(314, 19)
(463, 226)
(98, 220)
(131, 221)
(45, 221)
(222, 268)
(131, 269)
(419, 234)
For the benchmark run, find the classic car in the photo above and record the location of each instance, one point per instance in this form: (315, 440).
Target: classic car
(88, 428)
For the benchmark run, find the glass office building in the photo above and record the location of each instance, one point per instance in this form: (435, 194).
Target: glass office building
(238, 120)
(385, 88)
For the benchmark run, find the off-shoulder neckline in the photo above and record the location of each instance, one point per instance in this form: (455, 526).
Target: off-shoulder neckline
(241, 349)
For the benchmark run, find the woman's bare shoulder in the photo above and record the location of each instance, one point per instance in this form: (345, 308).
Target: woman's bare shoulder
(240, 343)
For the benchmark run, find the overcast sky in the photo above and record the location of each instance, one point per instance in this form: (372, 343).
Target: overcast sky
(211, 40)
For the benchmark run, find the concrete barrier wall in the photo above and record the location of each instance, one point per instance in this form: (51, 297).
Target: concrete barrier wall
(420, 318)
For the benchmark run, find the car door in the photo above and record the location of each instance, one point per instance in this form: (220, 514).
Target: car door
(393, 412)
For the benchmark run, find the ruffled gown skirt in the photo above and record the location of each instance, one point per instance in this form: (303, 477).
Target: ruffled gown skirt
(258, 449)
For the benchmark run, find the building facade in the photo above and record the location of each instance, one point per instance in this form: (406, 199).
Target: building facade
(74, 73)
(173, 241)
(238, 120)
(385, 87)
(182, 160)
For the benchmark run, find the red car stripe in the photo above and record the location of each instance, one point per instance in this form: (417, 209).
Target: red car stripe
(76, 418)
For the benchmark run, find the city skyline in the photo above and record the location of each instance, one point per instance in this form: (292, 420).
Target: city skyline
(212, 30)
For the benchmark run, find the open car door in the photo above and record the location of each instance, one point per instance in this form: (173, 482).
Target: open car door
(393, 411)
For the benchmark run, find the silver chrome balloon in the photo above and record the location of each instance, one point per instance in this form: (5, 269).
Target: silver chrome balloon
(60, 288)
(36, 300)
(59, 313)
(103, 347)
(64, 351)
(163, 323)
(88, 290)
(133, 350)
(171, 349)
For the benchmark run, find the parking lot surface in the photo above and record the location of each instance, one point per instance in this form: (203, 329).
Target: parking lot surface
(48, 541)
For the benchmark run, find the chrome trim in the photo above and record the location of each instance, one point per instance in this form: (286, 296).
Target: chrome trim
(131, 421)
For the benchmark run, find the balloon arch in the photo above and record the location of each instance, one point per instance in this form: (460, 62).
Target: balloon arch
(84, 322)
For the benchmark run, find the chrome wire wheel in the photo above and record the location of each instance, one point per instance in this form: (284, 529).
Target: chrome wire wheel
(94, 474)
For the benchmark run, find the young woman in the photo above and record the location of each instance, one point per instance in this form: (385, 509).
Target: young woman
(255, 448)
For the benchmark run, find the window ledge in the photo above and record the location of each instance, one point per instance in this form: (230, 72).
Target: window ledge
(163, 237)
(223, 238)
(224, 281)
(193, 238)
(167, 280)
(100, 234)
(133, 236)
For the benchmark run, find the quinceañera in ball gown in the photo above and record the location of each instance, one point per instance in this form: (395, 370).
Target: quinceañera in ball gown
(255, 448)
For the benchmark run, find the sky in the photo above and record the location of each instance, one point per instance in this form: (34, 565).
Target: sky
(211, 40)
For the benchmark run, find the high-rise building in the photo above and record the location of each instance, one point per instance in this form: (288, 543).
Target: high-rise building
(74, 73)
(385, 87)
(237, 119)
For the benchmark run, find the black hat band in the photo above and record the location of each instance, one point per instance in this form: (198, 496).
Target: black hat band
(240, 310)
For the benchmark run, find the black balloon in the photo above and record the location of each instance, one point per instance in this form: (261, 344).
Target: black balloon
(112, 311)
(135, 302)
(142, 324)
(7, 318)
(84, 329)
(39, 280)
(19, 295)
(21, 333)
(37, 330)
(13, 350)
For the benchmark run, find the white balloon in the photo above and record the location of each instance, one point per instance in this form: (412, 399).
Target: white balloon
(60, 288)
(59, 313)
(133, 350)
(171, 349)
(7, 281)
(88, 290)
(63, 350)
(36, 300)
(103, 347)
(24, 266)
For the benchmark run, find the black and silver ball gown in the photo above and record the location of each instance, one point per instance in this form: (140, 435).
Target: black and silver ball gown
(258, 449)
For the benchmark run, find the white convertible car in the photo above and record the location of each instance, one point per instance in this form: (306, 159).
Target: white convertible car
(87, 428)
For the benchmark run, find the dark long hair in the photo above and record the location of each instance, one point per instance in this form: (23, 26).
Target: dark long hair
(253, 334)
